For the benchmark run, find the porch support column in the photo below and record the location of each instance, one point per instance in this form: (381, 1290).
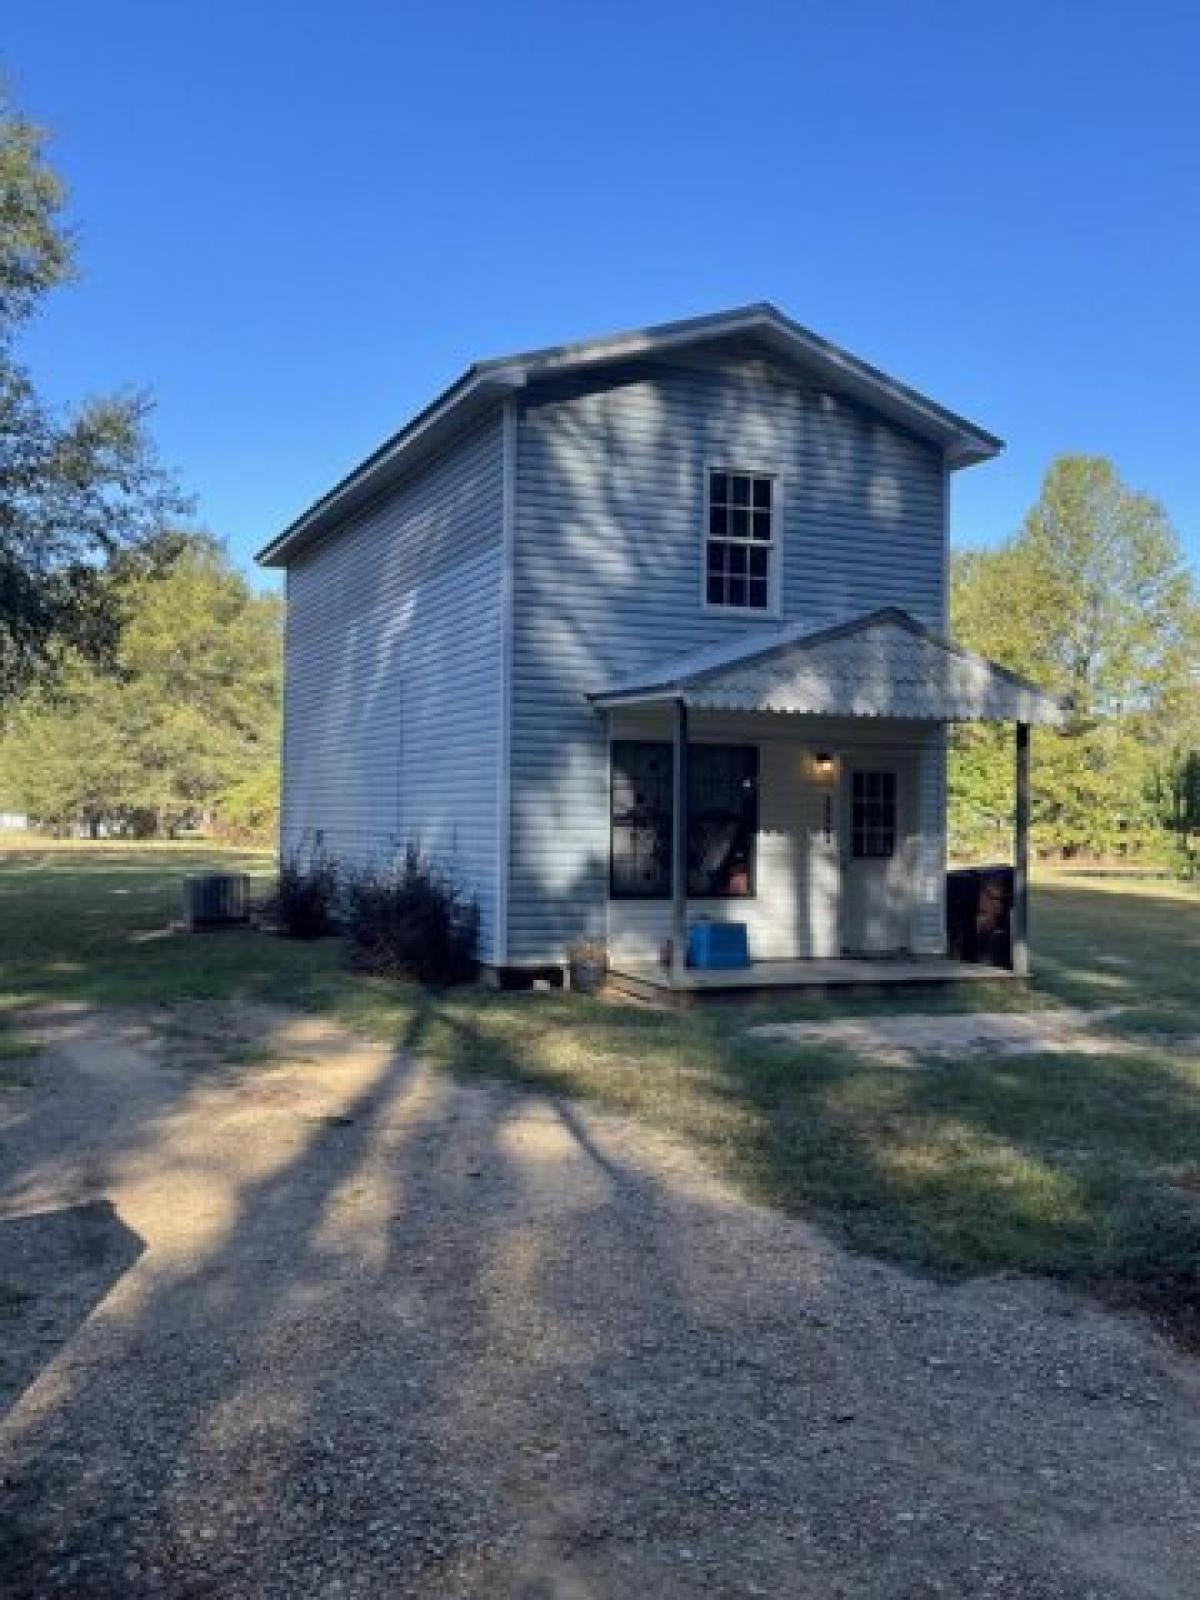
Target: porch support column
(1020, 908)
(679, 811)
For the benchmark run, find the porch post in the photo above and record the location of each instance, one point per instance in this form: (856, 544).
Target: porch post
(679, 845)
(1020, 909)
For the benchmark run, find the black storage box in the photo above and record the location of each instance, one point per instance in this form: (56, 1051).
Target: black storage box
(979, 915)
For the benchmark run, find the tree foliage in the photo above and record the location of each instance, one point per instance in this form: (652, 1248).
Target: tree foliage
(1094, 601)
(1177, 795)
(184, 728)
(77, 492)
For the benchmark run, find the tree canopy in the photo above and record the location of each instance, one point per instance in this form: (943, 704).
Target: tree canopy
(78, 492)
(1093, 600)
(185, 725)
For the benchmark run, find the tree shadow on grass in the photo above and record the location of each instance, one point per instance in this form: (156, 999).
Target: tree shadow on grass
(1076, 1167)
(1080, 1168)
(1095, 947)
(418, 1336)
(320, 1377)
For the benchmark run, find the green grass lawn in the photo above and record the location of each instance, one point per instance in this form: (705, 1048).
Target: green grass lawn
(1085, 1168)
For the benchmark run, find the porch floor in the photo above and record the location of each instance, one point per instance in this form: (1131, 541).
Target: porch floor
(650, 981)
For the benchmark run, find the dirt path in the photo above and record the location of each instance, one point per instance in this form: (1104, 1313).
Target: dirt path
(902, 1040)
(341, 1327)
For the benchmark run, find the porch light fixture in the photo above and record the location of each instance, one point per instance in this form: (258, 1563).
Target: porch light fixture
(823, 762)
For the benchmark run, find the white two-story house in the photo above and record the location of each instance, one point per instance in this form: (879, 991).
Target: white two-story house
(644, 630)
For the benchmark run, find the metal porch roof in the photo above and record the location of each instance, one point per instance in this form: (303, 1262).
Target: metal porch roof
(881, 664)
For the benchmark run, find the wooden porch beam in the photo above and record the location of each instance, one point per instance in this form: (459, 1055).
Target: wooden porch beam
(679, 811)
(1020, 908)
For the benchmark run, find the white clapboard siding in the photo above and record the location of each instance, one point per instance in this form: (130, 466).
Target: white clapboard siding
(607, 578)
(393, 697)
(929, 920)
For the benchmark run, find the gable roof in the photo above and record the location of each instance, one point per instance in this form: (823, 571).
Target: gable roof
(881, 664)
(485, 383)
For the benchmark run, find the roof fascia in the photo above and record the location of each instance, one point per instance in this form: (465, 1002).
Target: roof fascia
(962, 443)
(429, 431)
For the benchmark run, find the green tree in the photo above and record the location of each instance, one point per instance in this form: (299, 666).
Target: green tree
(1093, 600)
(189, 713)
(77, 492)
(1177, 798)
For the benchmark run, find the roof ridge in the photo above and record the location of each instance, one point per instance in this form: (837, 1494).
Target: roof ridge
(484, 384)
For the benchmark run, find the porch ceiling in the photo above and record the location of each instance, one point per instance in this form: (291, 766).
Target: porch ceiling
(881, 664)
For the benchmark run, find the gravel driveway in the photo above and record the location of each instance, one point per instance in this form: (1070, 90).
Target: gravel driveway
(340, 1327)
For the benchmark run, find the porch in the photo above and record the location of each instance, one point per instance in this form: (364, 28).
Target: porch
(658, 984)
(834, 862)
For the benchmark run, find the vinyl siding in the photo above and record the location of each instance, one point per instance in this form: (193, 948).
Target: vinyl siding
(608, 557)
(929, 919)
(394, 677)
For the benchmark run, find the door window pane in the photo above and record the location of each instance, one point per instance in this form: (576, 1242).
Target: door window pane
(873, 815)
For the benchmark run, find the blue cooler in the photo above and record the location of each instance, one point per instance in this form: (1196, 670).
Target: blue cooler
(718, 945)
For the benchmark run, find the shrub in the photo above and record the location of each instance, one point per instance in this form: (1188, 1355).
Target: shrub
(413, 919)
(308, 895)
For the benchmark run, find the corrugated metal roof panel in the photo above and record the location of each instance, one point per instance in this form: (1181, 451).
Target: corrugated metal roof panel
(884, 664)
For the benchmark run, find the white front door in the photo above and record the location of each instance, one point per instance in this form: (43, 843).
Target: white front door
(795, 912)
(876, 893)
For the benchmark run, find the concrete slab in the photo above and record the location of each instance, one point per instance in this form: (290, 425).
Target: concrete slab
(901, 1040)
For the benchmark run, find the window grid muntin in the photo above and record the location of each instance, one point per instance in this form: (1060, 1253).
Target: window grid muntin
(873, 815)
(740, 524)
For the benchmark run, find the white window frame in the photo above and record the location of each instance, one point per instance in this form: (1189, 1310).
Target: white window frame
(774, 606)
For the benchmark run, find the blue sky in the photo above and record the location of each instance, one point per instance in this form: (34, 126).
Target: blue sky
(298, 221)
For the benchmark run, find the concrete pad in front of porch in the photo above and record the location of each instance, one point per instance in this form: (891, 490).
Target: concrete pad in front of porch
(646, 980)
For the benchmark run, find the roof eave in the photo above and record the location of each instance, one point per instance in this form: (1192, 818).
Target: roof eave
(693, 686)
(474, 394)
(611, 700)
(963, 451)
(962, 443)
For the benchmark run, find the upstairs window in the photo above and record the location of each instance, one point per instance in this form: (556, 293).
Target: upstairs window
(740, 544)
